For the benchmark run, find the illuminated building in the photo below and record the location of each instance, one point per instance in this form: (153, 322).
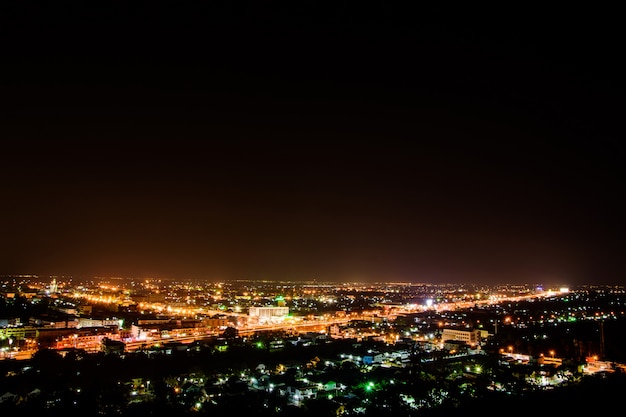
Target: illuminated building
(471, 337)
(267, 314)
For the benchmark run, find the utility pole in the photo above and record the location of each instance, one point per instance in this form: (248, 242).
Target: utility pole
(602, 339)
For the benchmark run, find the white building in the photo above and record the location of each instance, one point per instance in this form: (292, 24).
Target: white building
(471, 337)
(267, 314)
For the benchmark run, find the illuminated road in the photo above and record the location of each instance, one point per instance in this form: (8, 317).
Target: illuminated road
(244, 331)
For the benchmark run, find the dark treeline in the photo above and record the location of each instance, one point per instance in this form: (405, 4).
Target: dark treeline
(101, 378)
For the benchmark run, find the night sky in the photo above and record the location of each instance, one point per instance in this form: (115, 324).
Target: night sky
(264, 141)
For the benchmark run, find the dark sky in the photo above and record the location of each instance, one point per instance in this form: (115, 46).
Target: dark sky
(272, 141)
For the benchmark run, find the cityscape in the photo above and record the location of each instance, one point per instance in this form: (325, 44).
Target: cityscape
(310, 348)
(298, 209)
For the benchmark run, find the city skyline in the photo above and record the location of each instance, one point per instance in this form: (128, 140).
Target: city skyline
(313, 144)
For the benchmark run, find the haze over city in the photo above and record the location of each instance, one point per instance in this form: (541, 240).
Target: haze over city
(390, 145)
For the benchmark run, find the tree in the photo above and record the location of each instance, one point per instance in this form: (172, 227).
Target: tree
(230, 333)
